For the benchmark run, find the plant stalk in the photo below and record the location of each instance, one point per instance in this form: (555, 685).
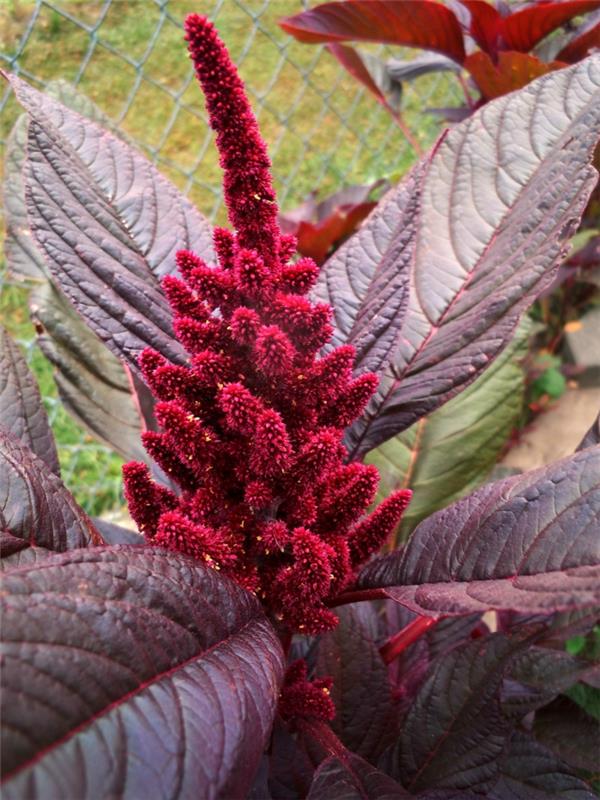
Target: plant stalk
(397, 643)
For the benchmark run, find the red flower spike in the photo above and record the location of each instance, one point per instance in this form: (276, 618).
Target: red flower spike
(311, 574)
(187, 261)
(273, 537)
(249, 193)
(319, 455)
(288, 245)
(303, 698)
(271, 452)
(371, 533)
(224, 242)
(172, 381)
(274, 351)
(182, 299)
(244, 324)
(310, 620)
(252, 430)
(333, 372)
(344, 504)
(145, 498)
(149, 361)
(175, 532)
(215, 286)
(352, 402)
(211, 369)
(300, 277)
(252, 275)
(196, 336)
(240, 407)
(258, 495)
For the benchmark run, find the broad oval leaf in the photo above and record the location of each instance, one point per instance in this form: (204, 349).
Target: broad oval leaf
(480, 229)
(108, 224)
(528, 543)
(449, 453)
(351, 778)
(22, 413)
(91, 381)
(36, 509)
(565, 729)
(132, 672)
(411, 23)
(365, 720)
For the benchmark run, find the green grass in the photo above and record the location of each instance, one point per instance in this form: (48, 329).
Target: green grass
(323, 131)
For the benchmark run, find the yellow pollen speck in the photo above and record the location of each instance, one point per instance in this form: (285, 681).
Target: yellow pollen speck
(326, 691)
(259, 538)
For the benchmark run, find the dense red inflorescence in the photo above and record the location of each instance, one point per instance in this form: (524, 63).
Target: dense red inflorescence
(251, 429)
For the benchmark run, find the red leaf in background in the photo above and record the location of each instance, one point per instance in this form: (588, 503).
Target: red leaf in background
(319, 227)
(513, 71)
(583, 42)
(484, 25)
(411, 23)
(350, 60)
(524, 29)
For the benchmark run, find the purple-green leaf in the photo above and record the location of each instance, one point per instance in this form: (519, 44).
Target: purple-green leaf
(36, 510)
(528, 543)
(22, 413)
(477, 232)
(107, 223)
(133, 672)
(366, 719)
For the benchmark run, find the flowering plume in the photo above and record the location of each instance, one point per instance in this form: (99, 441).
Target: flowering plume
(251, 429)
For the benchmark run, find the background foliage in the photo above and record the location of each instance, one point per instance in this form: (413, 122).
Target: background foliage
(323, 130)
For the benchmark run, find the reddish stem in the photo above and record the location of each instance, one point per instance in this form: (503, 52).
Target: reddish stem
(358, 596)
(400, 641)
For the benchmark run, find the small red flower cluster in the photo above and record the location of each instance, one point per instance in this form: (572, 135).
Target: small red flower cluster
(251, 430)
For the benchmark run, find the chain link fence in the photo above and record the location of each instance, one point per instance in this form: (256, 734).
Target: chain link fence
(128, 57)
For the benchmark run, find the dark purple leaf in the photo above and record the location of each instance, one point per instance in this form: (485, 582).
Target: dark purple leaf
(352, 778)
(35, 506)
(454, 732)
(23, 259)
(528, 771)
(291, 765)
(480, 228)
(411, 23)
(80, 179)
(22, 413)
(365, 720)
(538, 675)
(527, 543)
(134, 673)
(91, 381)
(569, 732)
